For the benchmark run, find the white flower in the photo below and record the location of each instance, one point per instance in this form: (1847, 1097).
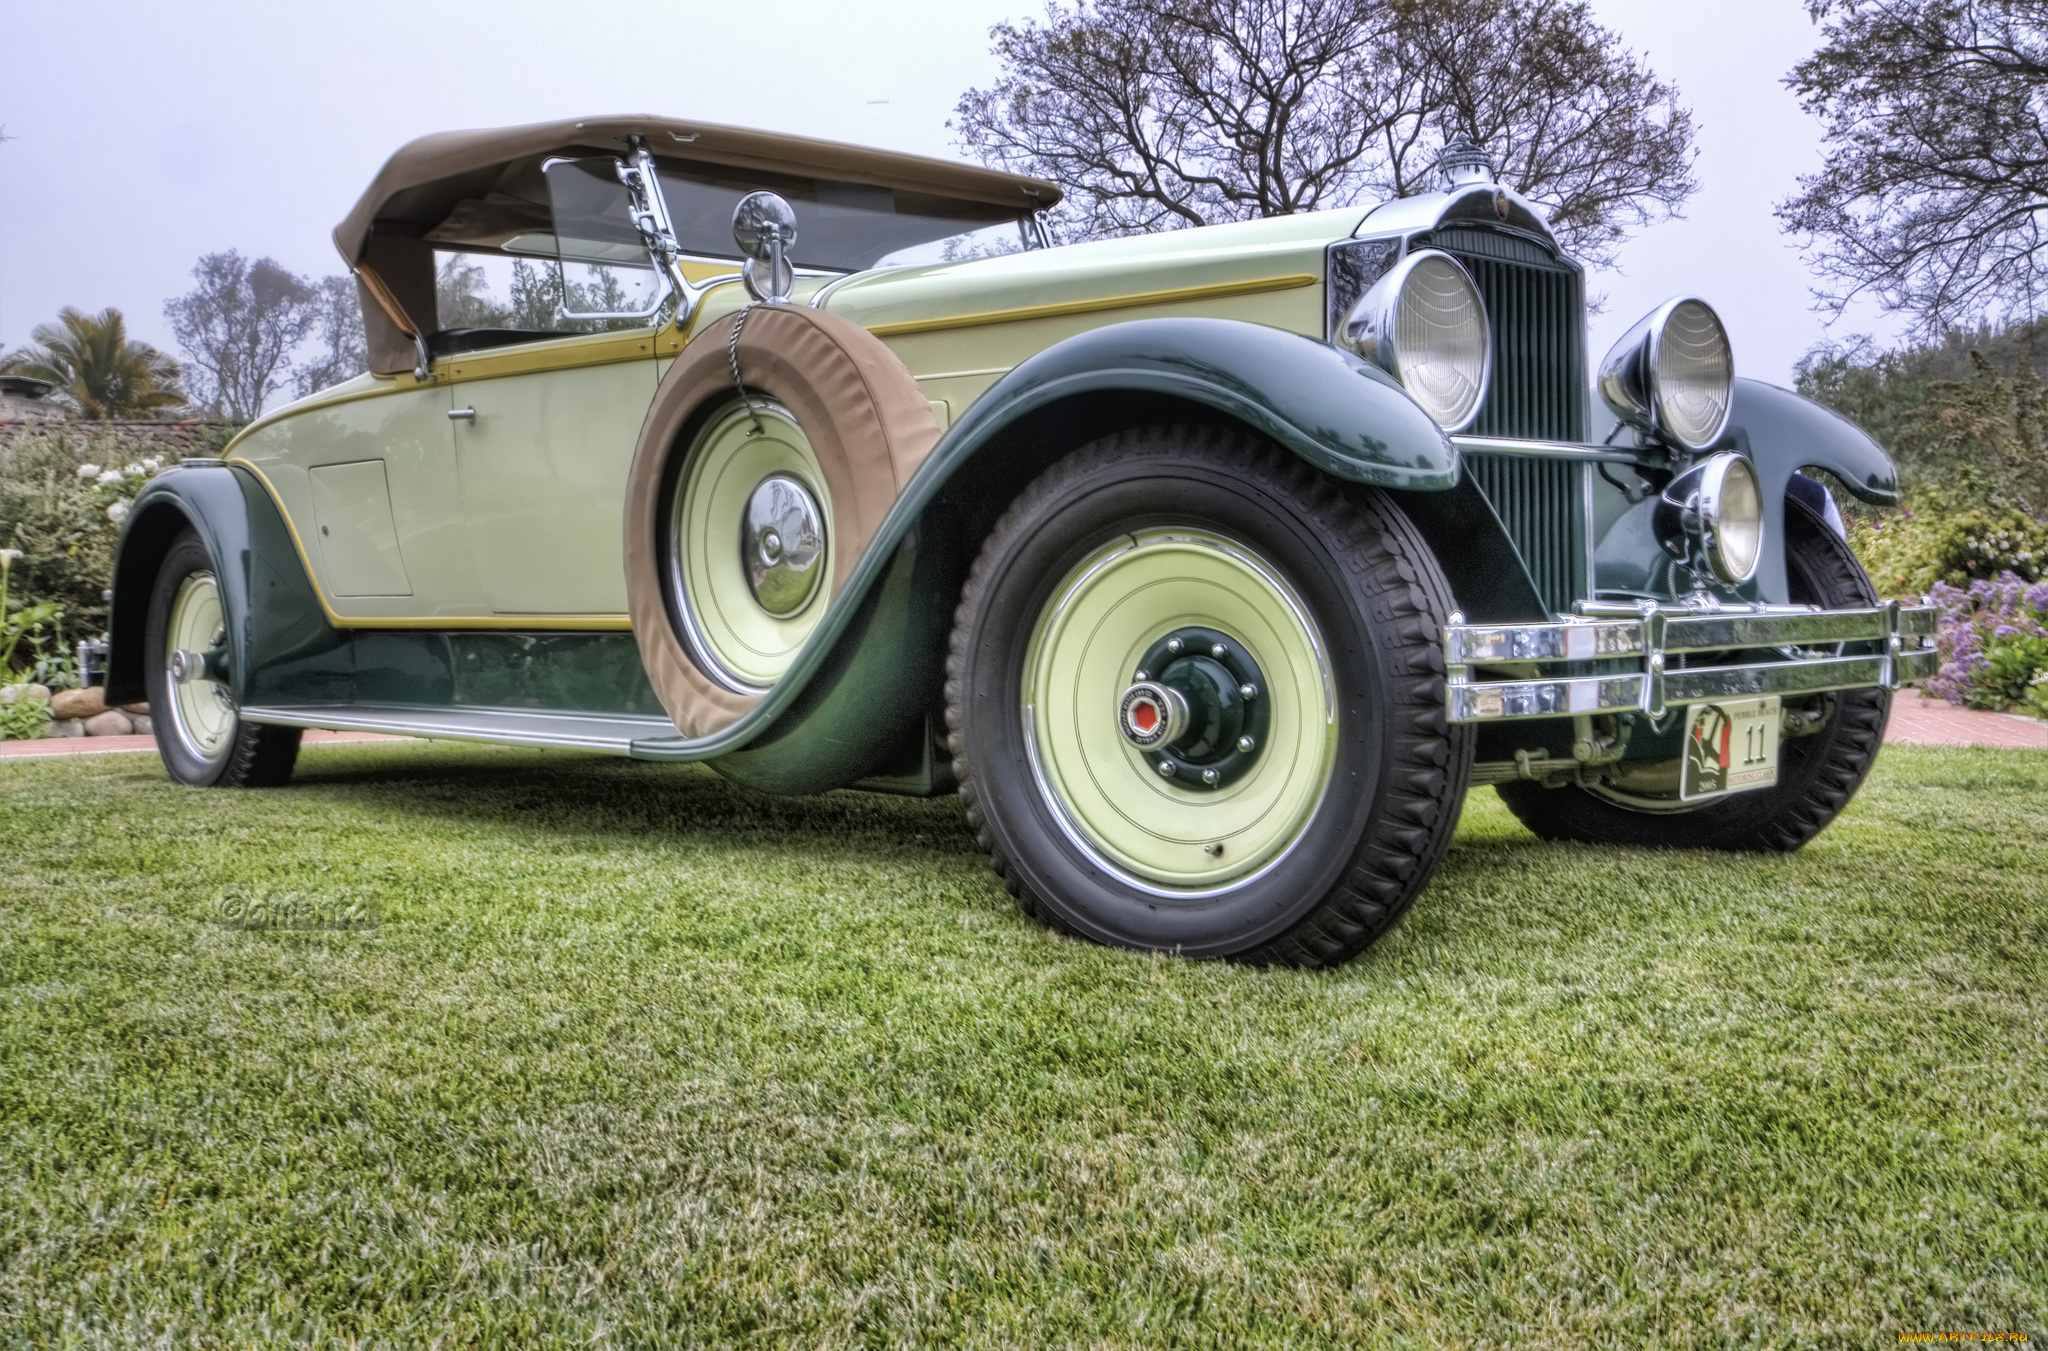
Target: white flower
(7, 556)
(151, 465)
(137, 471)
(118, 512)
(112, 476)
(88, 471)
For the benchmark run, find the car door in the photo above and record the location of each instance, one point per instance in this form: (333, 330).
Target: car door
(544, 439)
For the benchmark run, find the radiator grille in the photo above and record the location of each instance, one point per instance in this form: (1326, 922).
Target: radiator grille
(1543, 504)
(1535, 306)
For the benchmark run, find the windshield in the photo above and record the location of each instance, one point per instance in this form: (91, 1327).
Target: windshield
(843, 227)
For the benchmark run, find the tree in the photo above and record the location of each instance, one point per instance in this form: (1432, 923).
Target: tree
(97, 369)
(1932, 193)
(239, 326)
(1161, 114)
(461, 296)
(340, 351)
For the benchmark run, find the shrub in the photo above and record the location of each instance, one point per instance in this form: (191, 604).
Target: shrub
(62, 500)
(1993, 640)
(23, 719)
(1952, 536)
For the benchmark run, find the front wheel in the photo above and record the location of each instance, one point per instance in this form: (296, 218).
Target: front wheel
(1196, 702)
(204, 742)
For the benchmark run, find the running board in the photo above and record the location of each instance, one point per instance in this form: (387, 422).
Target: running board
(611, 733)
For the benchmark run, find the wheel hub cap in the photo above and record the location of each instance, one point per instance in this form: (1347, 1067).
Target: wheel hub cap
(1194, 708)
(782, 545)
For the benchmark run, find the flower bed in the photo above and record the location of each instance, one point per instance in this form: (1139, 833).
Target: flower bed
(1993, 639)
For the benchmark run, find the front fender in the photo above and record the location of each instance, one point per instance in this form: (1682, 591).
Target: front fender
(277, 632)
(1338, 413)
(1782, 433)
(1342, 415)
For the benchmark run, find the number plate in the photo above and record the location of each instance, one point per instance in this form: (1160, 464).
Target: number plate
(1729, 748)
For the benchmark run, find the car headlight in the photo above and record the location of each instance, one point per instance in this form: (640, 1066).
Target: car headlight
(1424, 324)
(1673, 374)
(1711, 517)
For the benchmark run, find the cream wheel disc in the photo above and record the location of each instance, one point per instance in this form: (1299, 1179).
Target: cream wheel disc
(738, 638)
(202, 714)
(1120, 801)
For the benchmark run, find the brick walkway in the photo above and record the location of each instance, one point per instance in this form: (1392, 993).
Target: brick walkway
(1935, 722)
(115, 745)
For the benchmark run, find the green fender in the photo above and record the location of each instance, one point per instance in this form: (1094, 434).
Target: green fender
(1782, 433)
(280, 646)
(1338, 413)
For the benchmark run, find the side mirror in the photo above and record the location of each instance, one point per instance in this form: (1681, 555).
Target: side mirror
(764, 226)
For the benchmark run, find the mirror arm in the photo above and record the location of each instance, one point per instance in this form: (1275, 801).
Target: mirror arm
(650, 217)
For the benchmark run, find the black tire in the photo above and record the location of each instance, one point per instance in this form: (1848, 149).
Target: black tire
(249, 755)
(1398, 771)
(1817, 774)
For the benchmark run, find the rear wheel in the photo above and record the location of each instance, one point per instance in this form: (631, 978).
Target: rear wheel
(1195, 697)
(203, 740)
(1817, 774)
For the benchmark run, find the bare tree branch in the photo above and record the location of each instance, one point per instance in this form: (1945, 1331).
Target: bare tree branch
(1162, 113)
(1931, 197)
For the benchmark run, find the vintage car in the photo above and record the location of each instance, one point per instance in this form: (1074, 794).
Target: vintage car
(1210, 567)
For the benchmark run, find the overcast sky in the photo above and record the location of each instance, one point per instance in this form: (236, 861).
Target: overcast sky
(146, 134)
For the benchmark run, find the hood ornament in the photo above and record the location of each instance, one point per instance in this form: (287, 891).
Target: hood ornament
(1462, 164)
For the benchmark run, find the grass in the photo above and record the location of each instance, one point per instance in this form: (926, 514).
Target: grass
(477, 1046)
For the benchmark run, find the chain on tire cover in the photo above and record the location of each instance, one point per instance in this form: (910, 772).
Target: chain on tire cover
(867, 421)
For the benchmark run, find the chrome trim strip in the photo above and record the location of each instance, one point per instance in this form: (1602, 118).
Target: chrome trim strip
(1556, 450)
(612, 733)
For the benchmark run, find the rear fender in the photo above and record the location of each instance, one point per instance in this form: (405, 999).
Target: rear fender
(280, 646)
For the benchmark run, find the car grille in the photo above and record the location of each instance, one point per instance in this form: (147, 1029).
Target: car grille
(1543, 504)
(1536, 308)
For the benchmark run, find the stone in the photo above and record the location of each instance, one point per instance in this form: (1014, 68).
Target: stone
(113, 722)
(36, 691)
(88, 702)
(143, 726)
(65, 727)
(141, 710)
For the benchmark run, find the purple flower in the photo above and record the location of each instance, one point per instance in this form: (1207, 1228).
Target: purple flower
(2004, 631)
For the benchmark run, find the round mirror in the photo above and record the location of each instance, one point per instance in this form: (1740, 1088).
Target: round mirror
(762, 221)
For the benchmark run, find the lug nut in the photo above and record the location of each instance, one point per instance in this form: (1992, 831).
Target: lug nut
(1248, 691)
(1142, 675)
(1219, 652)
(1245, 743)
(1173, 645)
(1209, 776)
(1166, 768)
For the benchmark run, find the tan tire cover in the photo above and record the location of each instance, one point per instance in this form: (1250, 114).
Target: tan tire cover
(867, 422)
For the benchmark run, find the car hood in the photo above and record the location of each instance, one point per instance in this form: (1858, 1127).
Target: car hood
(1212, 256)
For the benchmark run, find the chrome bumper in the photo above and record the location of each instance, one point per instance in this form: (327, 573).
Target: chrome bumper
(1647, 636)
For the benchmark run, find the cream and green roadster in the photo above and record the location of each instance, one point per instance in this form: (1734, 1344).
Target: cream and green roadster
(1210, 567)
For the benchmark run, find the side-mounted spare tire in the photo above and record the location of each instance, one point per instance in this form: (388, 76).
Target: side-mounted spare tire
(744, 514)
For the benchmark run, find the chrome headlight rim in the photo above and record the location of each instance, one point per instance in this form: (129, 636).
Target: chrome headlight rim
(1695, 523)
(1628, 379)
(1370, 330)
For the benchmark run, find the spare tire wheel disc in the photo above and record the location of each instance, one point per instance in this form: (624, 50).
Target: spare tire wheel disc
(744, 516)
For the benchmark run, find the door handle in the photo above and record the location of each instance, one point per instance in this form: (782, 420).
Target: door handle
(460, 414)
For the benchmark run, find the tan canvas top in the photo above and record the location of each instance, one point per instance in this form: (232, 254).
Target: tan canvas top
(428, 179)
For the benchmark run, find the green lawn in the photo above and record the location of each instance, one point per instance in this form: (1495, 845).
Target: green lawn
(506, 1047)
